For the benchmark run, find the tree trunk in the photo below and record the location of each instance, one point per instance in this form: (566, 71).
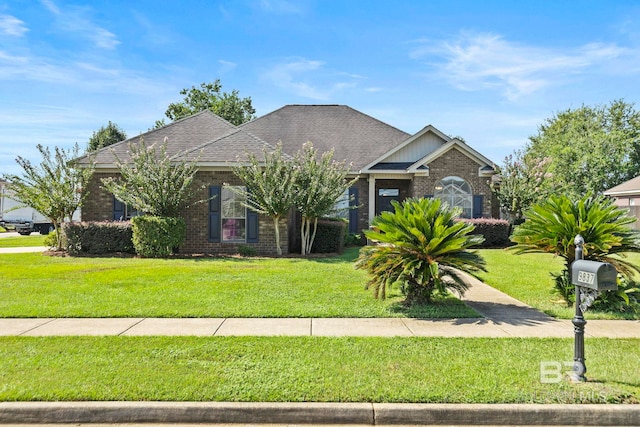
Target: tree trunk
(276, 224)
(313, 236)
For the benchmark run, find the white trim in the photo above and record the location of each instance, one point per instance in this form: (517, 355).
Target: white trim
(372, 198)
(462, 147)
(428, 128)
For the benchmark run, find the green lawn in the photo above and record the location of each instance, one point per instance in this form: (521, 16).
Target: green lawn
(528, 279)
(36, 285)
(302, 369)
(22, 241)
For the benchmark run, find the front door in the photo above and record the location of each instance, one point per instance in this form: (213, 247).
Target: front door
(385, 197)
(388, 190)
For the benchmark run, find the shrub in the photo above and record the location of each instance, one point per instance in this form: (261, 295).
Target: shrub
(98, 238)
(329, 237)
(155, 236)
(51, 240)
(494, 231)
(354, 239)
(552, 225)
(246, 250)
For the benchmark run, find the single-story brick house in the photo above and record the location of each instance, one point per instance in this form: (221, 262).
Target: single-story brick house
(627, 196)
(391, 165)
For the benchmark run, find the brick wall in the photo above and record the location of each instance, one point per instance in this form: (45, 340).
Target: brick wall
(99, 207)
(454, 163)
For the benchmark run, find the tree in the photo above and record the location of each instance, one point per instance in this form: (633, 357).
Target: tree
(105, 136)
(152, 182)
(423, 247)
(524, 181)
(55, 187)
(229, 106)
(318, 183)
(270, 186)
(591, 148)
(552, 225)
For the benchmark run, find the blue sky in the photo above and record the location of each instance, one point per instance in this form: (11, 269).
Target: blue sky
(488, 71)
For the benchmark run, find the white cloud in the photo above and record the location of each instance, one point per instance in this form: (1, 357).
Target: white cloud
(74, 20)
(308, 79)
(226, 66)
(488, 61)
(12, 26)
(281, 7)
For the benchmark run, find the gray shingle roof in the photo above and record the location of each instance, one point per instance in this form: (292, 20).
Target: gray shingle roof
(181, 135)
(355, 136)
(231, 147)
(631, 187)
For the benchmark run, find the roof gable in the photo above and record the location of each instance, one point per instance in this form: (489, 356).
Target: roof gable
(418, 145)
(485, 166)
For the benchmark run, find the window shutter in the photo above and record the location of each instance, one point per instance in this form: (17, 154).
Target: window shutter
(118, 210)
(214, 213)
(252, 226)
(353, 212)
(477, 205)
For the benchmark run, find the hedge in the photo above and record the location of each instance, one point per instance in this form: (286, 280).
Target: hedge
(329, 237)
(495, 231)
(155, 236)
(98, 238)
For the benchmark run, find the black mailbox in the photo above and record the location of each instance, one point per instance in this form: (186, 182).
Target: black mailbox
(599, 276)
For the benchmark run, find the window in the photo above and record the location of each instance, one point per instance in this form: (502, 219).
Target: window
(455, 192)
(341, 207)
(229, 221)
(346, 207)
(233, 216)
(123, 212)
(389, 192)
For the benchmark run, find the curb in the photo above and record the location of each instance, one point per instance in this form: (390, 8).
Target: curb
(317, 413)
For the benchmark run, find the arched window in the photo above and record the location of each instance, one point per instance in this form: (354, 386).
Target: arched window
(455, 192)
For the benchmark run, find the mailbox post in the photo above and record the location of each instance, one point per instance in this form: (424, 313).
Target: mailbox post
(589, 278)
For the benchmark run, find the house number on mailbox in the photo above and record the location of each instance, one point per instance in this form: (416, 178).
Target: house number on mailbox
(586, 277)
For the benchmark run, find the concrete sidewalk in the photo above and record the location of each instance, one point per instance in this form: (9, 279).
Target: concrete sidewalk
(383, 327)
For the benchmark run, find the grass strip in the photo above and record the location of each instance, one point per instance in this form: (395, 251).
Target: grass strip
(22, 241)
(528, 279)
(45, 286)
(301, 369)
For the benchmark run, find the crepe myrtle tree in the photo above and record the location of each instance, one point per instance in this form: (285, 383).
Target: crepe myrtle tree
(319, 182)
(55, 187)
(269, 185)
(153, 183)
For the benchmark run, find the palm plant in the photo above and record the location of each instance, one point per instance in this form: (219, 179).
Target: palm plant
(551, 226)
(423, 247)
